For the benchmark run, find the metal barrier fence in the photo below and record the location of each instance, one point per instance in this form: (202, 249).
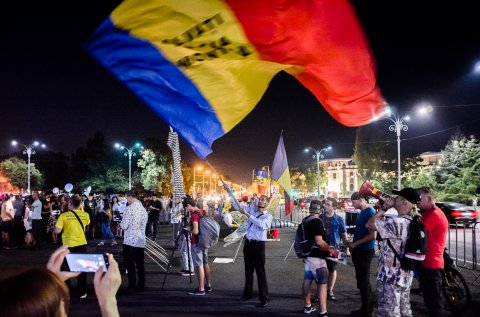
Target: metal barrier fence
(462, 243)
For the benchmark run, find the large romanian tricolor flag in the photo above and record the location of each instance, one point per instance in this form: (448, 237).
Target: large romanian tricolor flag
(203, 65)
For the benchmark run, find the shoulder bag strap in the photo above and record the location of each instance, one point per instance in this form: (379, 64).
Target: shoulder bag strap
(397, 256)
(78, 218)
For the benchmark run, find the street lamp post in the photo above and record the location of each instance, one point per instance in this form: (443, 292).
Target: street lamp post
(318, 155)
(398, 126)
(29, 151)
(129, 152)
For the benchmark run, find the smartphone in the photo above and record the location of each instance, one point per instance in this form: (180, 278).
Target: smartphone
(86, 262)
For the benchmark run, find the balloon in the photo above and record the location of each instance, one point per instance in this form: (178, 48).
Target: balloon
(55, 190)
(68, 187)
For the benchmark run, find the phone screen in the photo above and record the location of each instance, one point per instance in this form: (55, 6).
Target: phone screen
(82, 262)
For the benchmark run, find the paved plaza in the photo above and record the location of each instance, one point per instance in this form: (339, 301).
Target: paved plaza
(284, 281)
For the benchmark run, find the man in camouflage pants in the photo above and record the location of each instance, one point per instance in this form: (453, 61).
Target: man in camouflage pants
(393, 282)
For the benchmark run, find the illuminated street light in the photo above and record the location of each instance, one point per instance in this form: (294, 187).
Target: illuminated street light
(129, 151)
(398, 126)
(29, 151)
(199, 168)
(318, 155)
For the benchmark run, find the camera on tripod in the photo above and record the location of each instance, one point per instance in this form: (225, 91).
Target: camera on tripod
(185, 219)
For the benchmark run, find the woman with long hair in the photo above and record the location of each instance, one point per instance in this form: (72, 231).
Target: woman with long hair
(103, 217)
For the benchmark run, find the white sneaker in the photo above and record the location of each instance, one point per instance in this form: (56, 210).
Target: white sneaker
(101, 243)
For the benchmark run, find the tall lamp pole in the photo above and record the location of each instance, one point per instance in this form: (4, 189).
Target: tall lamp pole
(398, 126)
(29, 151)
(129, 152)
(318, 155)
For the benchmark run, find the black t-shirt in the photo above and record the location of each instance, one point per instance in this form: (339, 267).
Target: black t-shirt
(154, 214)
(314, 227)
(89, 206)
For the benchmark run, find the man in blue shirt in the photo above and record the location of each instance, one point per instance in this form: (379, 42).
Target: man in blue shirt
(335, 233)
(363, 250)
(259, 222)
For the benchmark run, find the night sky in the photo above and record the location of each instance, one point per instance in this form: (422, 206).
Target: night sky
(54, 92)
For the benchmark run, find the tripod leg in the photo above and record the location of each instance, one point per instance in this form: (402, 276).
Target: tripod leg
(170, 260)
(238, 248)
(291, 247)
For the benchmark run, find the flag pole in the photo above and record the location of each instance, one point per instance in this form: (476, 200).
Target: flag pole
(229, 191)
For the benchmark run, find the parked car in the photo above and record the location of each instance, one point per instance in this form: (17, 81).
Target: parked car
(304, 203)
(345, 204)
(457, 212)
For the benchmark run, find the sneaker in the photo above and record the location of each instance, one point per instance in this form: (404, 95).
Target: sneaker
(187, 273)
(308, 309)
(83, 295)
(196, 292)
(330, 295)
(113, 243)
(100, 244)
(208, 288)
(325, 314)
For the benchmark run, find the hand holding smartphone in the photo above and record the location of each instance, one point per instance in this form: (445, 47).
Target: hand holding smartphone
(85, 262)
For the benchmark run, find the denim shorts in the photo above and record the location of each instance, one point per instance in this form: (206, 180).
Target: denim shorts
(315, 269)
(199, 256)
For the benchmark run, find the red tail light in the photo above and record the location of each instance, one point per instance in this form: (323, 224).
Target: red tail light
(474, 214)
(456, 214)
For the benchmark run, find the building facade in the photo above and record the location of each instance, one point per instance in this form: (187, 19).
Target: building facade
(342, 176)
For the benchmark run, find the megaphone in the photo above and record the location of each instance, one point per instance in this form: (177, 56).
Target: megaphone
(368, 189)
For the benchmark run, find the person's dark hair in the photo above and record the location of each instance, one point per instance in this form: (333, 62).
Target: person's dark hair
(188, 201)
(356, 196)
(76, 201)
(333, 200)
(33, 293)
(106, 204)
(131, 193)
(114, 200)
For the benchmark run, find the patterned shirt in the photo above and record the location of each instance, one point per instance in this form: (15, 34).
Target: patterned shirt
(134, 222)
(396, 230)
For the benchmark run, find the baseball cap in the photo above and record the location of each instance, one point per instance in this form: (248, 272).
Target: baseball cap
(409, 194)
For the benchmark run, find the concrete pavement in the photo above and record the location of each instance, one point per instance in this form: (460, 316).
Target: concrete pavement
(284, 278)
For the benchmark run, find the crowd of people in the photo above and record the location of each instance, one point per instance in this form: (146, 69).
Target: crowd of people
(32, 221)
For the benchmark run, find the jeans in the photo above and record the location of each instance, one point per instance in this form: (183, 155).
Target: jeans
(186, 253)
(362, 260)
(431, 281)
(135, 262)
(106, 231)
(152, 229)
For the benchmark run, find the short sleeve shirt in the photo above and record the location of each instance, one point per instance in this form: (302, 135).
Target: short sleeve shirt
(361, 231)
(394, 229)
(314, 227)
(437, 226)
(72, 232)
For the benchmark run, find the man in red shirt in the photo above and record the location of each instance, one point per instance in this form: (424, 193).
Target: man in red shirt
(199, 255)
(431, 273)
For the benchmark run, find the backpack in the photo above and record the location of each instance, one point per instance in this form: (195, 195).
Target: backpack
(302, 246)
(208, 231)
(415, 247)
